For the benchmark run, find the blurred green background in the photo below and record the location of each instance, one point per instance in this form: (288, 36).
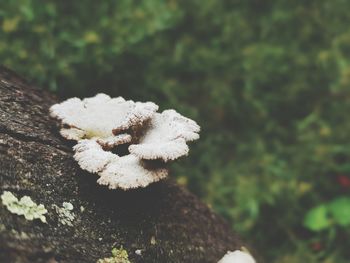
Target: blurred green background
(268, 81)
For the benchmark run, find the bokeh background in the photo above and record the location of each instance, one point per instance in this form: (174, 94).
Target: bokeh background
(268, 81)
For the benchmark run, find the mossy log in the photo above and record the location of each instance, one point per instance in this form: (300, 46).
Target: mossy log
(164, 221)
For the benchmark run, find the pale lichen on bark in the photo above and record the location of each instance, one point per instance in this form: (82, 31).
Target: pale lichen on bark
(36, 161)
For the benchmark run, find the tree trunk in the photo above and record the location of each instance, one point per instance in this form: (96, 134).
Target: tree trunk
(164, 221)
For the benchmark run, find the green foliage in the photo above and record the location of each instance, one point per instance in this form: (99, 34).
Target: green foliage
(329, 215)
(317, 218)
(268, 81)
(340, 210)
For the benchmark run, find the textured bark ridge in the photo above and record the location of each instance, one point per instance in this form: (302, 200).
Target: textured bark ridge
(164, 221)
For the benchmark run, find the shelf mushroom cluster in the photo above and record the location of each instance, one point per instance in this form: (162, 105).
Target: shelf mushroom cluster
(101, 125)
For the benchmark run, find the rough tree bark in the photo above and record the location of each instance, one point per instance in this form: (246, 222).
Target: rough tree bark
(36, 161)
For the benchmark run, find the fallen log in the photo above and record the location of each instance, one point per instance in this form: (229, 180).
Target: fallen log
(161, 223)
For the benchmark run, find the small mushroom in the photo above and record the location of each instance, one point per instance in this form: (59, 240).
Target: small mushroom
(166, 137)
(124, 172)
(237, 256)
(101, 118)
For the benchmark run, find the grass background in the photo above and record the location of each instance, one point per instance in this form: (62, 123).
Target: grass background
(268, 81)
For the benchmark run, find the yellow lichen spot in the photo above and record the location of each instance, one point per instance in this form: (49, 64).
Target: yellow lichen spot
(118, 256)
(10, 24)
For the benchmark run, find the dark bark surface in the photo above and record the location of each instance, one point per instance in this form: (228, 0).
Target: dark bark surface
(36, 161)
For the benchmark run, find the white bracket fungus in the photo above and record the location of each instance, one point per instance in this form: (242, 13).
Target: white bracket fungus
(91, 157)
(237, 256)
(123, 172)
(102, 123)
(166, 137)
(101, 118)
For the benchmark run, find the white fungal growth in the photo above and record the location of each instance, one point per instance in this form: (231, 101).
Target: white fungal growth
(129, 172)
(124, 172)
(237, 256)
(91, 157)
(101, 118)
(102, 123)
(166, 137)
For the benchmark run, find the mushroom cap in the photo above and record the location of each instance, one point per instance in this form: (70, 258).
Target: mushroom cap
(237, 256)
(124, 172)
(91, 157)
(101, 117)
(166, 137)
(130, 172)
